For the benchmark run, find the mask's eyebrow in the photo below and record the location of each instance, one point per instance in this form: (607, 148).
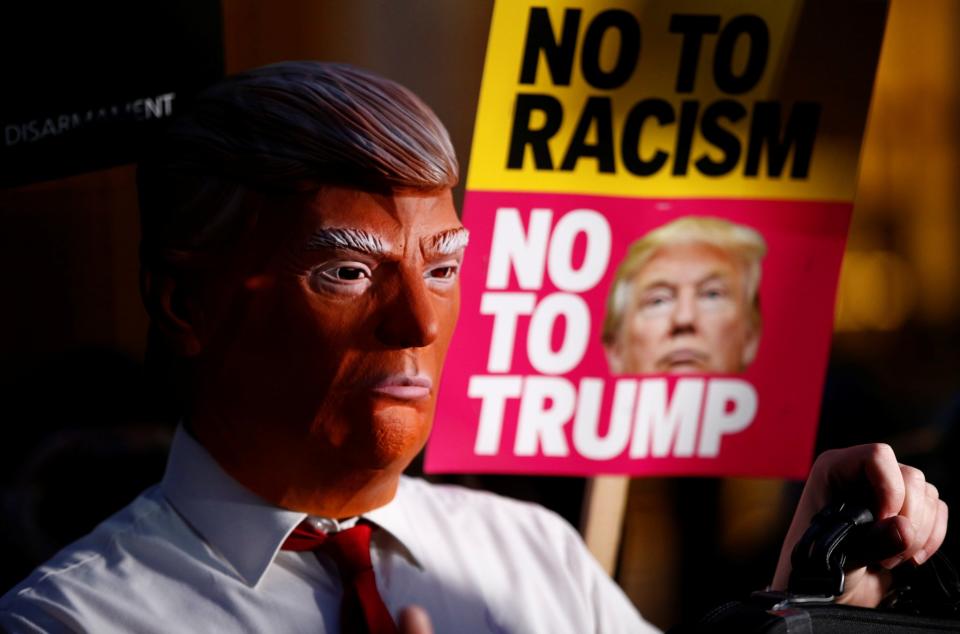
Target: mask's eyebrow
(447, 242)
(352, 239)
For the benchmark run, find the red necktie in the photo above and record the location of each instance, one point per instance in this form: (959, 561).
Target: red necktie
(362, 610)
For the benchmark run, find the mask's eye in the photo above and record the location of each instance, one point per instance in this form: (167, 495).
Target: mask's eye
(351, 278)
(444, 272)
(442, 275)
(347, 273)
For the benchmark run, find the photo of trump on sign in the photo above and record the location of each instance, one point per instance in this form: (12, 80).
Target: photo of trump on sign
(685, 299)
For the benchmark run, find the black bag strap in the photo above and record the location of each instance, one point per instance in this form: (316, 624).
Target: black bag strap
(925, 598)
(818, 559)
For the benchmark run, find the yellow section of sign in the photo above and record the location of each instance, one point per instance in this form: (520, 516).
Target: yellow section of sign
(669, 99)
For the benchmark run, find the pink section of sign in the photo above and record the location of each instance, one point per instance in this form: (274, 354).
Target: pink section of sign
(805, 242)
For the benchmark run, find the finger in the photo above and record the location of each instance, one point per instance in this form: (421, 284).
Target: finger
(865, 472)
(843, 472)
(937, 535)
(884, 540)
(886, 479)
(916, 506)
(414, 620)
(925, 529)
(864, 588)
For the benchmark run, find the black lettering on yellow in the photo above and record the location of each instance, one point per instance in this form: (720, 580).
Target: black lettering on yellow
(542, 39)
(523, 135)
(633, 128)
(685, 130)
(598, 114)
(538, 119)
(628, 52)
(798, 134)
(723, 74)
(720, 137)
(692, 28)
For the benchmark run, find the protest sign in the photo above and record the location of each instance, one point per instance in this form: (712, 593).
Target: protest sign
(658, 200)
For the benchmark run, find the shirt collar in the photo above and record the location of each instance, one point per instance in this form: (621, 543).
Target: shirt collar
(394, 518)
(239, 525)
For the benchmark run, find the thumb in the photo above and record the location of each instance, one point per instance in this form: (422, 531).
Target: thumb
(414, 620)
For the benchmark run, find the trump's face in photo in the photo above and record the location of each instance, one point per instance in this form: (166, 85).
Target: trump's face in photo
(685, 300)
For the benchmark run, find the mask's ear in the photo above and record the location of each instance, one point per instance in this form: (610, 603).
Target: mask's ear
(171, 311)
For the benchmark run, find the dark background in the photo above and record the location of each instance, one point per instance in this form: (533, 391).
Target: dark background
(96, 61)
(83, 432)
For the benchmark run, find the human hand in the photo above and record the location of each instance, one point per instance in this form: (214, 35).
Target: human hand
(414, 620)
(911, 517)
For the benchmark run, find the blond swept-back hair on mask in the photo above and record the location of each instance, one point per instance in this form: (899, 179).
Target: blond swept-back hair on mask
(742, 242)
(282, 129)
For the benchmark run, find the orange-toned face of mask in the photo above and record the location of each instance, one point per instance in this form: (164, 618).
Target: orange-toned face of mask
(319, 369)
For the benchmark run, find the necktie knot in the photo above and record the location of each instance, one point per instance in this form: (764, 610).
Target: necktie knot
(362, 609)
(350, 549)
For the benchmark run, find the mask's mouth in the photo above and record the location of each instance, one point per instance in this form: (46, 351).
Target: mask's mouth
(404, 387)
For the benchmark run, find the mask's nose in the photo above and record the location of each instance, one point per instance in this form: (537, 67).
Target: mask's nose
(409, 319)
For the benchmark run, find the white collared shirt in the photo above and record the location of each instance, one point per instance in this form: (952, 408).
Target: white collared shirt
(201, 553)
